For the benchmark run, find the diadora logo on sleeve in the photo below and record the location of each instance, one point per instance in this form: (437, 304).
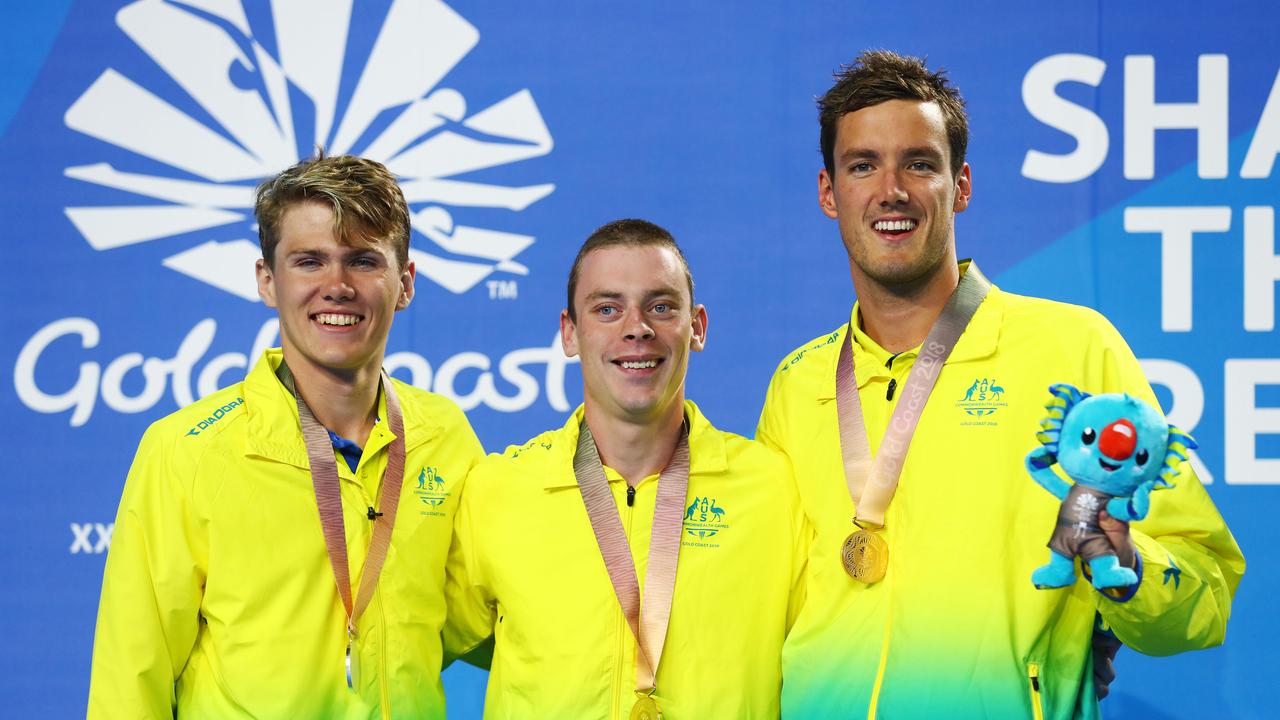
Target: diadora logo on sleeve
(529, 446)
(431, 491)
(215, 416)
(982, 399)
(271, 82)
(821, 343)
(703, 520)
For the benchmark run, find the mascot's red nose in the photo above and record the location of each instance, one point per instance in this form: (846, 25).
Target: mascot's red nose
(1118, 439)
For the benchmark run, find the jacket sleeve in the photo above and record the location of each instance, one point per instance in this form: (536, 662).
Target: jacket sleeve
(1190, 563)
(148, 616)
(803, 538)
(771, 429)
(468, 628)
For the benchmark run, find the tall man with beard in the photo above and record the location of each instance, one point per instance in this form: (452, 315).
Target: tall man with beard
(637, 519)
(934, 613)
(273, 556)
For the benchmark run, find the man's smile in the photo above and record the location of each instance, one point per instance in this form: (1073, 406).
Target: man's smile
(337, 319)
(895, 227)
(637, 365)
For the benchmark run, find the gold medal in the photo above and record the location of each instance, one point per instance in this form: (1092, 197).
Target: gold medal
(646, 708)
(865, 556)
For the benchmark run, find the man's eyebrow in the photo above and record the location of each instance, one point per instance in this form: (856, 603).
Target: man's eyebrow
(602, 295)
(308, 252)
(857, 153)
(664, 291)
(927, 151)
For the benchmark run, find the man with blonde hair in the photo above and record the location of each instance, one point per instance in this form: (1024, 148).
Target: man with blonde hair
(280, 545)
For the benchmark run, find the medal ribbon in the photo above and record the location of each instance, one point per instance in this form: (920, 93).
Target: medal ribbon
(872, 482)
(324, 477)
(649, 627)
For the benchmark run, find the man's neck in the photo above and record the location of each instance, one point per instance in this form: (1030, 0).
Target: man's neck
(899, 317)
(636, 450)
(345, 402)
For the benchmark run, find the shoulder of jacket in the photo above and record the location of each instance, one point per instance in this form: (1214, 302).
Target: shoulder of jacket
(739, 449)
(1062, 318)
(538, 450)
(203, 420)
(429, 405)
(497, 472)
(812, 354)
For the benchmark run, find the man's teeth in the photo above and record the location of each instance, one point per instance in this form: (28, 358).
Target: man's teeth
(639, 364)
(337, 319)
(891, 225)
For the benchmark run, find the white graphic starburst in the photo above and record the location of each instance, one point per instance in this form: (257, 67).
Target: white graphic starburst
(208, 48)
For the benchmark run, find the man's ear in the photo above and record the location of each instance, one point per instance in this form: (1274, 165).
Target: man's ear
(699, 339)
(827, 194)
(266, 283)
(964, 189)
(568, 334)
(407, 277)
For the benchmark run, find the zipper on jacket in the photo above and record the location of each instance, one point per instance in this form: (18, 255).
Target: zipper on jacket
(620, 680)
(893, 382)
(1033, 677)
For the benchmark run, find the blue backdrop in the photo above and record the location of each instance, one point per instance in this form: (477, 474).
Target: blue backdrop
(1123, 158)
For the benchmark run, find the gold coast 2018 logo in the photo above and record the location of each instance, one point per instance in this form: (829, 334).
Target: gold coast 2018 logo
(248, 94)
(982, 399)
(704, 519)
(431, 491)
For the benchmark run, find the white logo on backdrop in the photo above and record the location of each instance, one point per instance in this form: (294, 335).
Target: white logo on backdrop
(251, 127)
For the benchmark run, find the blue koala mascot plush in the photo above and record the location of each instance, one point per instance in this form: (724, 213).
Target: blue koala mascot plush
(1116, 449)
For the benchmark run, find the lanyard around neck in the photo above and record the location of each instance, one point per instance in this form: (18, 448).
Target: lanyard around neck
(873, 482)
(324, 478)
(649, 627)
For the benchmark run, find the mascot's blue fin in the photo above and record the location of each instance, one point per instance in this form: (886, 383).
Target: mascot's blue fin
(1064, 397)
(1178, 450)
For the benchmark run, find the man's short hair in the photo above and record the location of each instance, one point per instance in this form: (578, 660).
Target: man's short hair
(629, 233)
(878, 76)
(367, 203)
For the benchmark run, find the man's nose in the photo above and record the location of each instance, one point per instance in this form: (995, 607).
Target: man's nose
(338, 287)
(891, 190)
(636, 327)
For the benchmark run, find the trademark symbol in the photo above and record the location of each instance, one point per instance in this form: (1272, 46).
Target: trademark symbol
(503, 289)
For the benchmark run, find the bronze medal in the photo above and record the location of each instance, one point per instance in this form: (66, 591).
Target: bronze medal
(865, 556)
(646, 708)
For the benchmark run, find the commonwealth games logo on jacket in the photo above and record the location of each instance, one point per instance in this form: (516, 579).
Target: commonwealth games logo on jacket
(983, 398)
(703, 520)
(251, 87)
(431, 491)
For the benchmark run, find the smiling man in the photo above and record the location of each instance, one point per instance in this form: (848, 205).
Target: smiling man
(907, 427)
(637, 519)
(280, 546)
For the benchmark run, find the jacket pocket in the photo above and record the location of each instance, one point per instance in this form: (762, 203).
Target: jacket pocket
(1033, 687)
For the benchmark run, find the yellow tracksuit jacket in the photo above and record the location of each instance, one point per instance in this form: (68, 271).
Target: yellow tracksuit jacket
(956, 628)
(218, 599)
(563, 648)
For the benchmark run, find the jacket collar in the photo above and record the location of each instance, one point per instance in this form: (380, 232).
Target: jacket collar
(979, 340)
(275, 433)
(706, 448)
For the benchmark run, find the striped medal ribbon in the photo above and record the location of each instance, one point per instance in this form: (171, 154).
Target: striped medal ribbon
(324, 477)
(649, 627)
(872, 482)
